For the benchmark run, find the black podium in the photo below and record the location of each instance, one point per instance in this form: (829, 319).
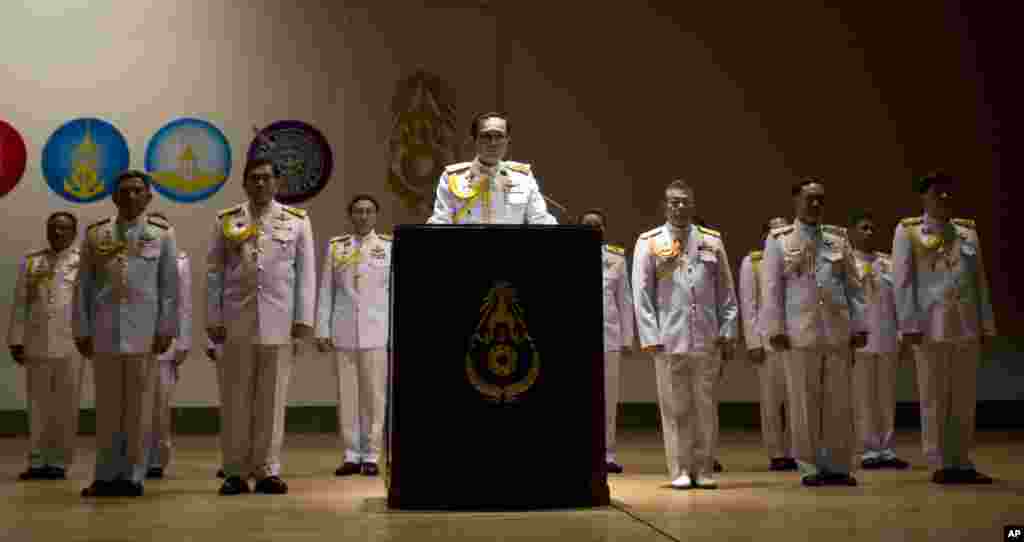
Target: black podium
(496, 372)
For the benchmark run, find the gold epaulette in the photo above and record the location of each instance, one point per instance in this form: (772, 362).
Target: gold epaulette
(616, 249)
(834, 230)
(100, 223)
(965, 222)
(912, 221)
(709, 231)
(455, 168)
(158, 222)
(230, 211)
(775, 233)
(756, 256)
(385, 236)
(340, 238)
(301, 213)
(519, 167)
(652, 233)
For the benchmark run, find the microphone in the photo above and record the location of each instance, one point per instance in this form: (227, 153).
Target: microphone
(555, 204)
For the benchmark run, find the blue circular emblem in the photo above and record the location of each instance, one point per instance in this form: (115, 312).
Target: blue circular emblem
(302, 155)
(82, 158)
(189, 160)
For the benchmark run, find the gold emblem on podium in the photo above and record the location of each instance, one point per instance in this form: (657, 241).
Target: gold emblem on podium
(502, 362)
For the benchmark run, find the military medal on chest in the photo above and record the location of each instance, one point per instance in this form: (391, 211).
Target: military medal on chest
(40, 275)
(938, 247)
(670, 253)
(352, 259)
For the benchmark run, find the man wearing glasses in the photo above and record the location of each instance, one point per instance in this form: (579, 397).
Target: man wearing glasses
(261, 297)
(489, 190)
(686, 316)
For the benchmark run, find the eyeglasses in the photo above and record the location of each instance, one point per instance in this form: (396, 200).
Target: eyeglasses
(680, 202)
(492, 137)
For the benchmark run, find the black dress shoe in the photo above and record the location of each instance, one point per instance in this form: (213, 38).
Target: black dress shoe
(348, 469)
(943, 476)
(614, 468)
(128, 488)
(100, 488)
(839, 479)
(56, 473)
(156, 473)
(220, 474)
(271, 485)
(971, 476)
(813, 480)
(895, 463)
(783, 464)
(872, 463)
(233, 485)
(33, 473)
(370, 469)
(718, 467)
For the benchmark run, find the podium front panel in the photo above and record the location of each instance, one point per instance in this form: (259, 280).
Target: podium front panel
(496, 368)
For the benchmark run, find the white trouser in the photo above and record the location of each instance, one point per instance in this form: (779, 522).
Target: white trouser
(689, 419)
(362, 392)
(947, 376)
(611, 401)
(159, 443)
(821, 409)
(874, 400)
(253, 392)
(774, 426)
(54, 392)
(124, 414)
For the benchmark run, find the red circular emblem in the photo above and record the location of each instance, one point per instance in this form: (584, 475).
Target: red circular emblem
(12, 158)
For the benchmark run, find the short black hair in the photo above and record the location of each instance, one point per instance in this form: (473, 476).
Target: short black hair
(474, 128)
(593, 211)
(799, 186)
(861, 214)
(133, 174)
(64, 214)
(922, 183)
(363, 197)
(258, 163)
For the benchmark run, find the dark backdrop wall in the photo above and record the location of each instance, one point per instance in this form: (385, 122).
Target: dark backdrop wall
(612, 102)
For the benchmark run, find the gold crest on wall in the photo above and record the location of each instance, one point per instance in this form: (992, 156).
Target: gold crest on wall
(423, 140)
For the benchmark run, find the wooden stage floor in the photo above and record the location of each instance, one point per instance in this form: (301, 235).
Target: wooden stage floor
(752, 503)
